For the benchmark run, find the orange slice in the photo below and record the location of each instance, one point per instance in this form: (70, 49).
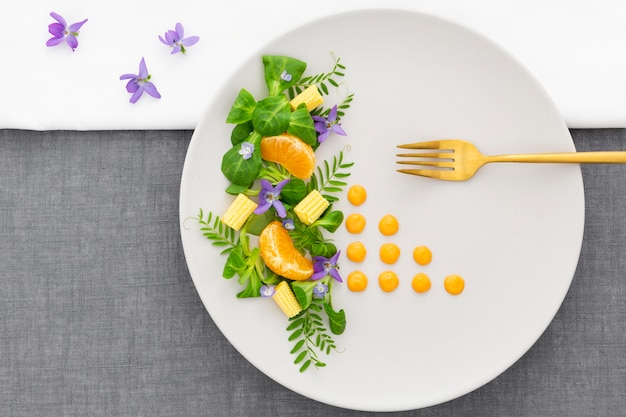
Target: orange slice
(291, 152)
(281, 256)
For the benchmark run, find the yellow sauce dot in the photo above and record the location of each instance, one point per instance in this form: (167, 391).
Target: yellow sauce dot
(357, 281)
(454, 284)
(388, 225)
(356, 252)
(421, 283)
(388, 281)
(389, 253)
(355, 223)
(422, 255)
(357, 195)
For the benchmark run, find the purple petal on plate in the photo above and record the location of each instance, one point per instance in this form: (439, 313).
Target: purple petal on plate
(264, 205)
(280, 209)
(318, 275)
(321, 138)
(335, 274)
(338, 130)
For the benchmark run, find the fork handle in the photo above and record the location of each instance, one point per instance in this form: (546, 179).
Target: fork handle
(603, 157)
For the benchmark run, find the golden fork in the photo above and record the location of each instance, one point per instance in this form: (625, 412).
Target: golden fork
(458, 160)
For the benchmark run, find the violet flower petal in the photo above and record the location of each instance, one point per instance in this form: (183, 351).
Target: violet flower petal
(279, 187)
(332, 115)
(180, 31)
(280, 209)
(143, 69)
(171, 37)
(320, 126)
(267, 291)
(263, 207)
(338, 130)
(136, 95)
(176, 49)
(151, 90)
(56, 29)
(190, 41)
(59, 19)
(319, 261)
(72, 42)
(320, 290)
(54, 41)
(266, 185)
(75, 27)
(288, 224)
(163, 41)
(318, 275)
(322, 137)
(132, 85)
(335, 274)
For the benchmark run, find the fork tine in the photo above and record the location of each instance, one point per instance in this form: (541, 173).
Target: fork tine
(441, 164)
(434, 144)
(432, 155)
(430, 173)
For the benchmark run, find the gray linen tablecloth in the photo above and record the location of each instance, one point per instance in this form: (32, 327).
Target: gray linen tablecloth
(99, 316)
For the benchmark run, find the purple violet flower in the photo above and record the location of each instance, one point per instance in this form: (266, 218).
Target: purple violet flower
(289, 224)
(325, 125)
(62, 32)
(323, 266)
(246, 150)
(267, 291)
(138, 83)
(320, 290)
(269, 196)
(176, 39)
(285, 76)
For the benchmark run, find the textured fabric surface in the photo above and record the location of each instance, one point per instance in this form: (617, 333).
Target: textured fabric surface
(99, 316)
(567, 41)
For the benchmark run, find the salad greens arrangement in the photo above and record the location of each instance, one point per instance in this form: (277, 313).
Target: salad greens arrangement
(312, 329)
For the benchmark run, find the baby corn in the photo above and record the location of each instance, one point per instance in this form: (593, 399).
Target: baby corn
(286, 299)
(311, 207)
(238, 212)
(310, 96)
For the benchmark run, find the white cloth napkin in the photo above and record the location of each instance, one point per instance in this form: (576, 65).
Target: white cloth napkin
(575, 48)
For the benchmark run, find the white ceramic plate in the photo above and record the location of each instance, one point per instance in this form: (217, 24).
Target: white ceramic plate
(513, 232)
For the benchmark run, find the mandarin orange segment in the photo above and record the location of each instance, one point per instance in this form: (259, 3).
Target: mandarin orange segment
(291, 152)
(281, 256)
